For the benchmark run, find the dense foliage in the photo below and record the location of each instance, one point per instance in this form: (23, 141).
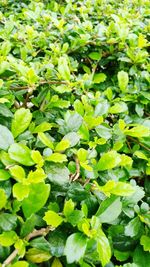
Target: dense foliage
(74, 133)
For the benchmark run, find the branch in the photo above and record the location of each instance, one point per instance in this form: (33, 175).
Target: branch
(75, 176)
(40, 83)
(42, 231)
(10, 258)
(138, 142)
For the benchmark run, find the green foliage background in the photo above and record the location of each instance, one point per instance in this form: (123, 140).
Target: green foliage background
(74, 133)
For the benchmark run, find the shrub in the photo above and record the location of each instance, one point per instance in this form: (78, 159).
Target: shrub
(74, 133)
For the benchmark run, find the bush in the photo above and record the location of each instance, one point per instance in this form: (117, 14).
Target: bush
(74, 133)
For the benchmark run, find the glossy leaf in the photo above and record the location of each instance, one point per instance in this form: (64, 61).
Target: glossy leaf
(53, 219)
(6, 138)
(77, 243)
(21, 121)
(36, 199)
(108, 161)
(21, 154)
(103, 248)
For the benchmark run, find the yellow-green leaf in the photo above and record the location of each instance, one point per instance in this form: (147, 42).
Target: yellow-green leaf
(103, 248)
(145, 242)
(8, 238)
(109, 161)
(20, 191)
(62, 145)
(18, 173)
(56, 157)
(3, 198)
(56, 263)
(45, 140)
(138, 131)
(36, 176)
(37, 255)
(21, 121)
(53, 219)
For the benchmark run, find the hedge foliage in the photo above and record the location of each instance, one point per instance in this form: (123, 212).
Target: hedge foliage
(74, 133)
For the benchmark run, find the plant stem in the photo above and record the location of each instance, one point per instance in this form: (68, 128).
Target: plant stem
(42, 231)
(138, 142)
(40, 83)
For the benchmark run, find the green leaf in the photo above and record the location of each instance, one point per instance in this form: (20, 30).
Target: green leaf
(43, 127)
(78, 106)
(76, 243)
(28, 226)
(57, 173)
(4, 175)
(62, 145)
(20, 264)
(75, 217)
(145, 242)
(108, 161)
(140, 155)
(103, 248)
(82, 154)
(8, 238)
(6, 138)
(122, 189)
(123, 80)
(36, 199)
(56, 263)
(3, 198)
(4, 111)
(99, 78)
(21, 153)
(21, 121)
(52, 218)
(8, 221)
(125, 160)
(20, 191)
(45, 140)
(109, 210)
(133, 227)
(37, 158)
(63, 68)
(37, 255)
(36, 176)
(95, 55)
(56, 157)
(115, 188)
(40, 243)
(68, 207)
(73, 138)
(118, 108)
(141, 257)
(138, 131)
(121, 255)
(57, 240)
(18, 173)
(104, 132)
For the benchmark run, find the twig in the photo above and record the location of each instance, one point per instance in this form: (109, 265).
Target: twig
(30, 92)
(138, 142)
(128, 144)
(40, 83)
(75, 176)
(10, 258)
(42, 231)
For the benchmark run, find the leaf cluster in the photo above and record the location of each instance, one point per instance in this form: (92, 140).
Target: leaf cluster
(74, 133)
